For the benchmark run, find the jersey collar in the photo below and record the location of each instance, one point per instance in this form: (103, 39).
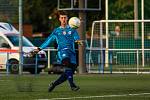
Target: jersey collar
(67, 26)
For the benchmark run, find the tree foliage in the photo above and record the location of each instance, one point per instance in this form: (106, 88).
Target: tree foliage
(9, 11)
(121, 9)
(147, 9)
(37, 13)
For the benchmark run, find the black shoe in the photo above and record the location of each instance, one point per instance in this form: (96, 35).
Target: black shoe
(76, 88)
(51, 87)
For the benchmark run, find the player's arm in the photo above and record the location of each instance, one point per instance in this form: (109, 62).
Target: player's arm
(35, 51)
(48, 41)
(45, 44)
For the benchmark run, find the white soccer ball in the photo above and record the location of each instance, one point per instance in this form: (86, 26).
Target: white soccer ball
(74, 22)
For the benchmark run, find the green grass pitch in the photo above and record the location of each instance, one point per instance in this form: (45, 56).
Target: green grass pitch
(93, 87)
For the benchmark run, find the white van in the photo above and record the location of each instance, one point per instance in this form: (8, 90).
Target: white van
(9, 51)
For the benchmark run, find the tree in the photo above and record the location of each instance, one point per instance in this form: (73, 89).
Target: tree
(36, 12)
(9, 11)
(121, 9)
(147, 9)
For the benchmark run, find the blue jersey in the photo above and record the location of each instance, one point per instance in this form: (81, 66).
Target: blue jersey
(65, 38)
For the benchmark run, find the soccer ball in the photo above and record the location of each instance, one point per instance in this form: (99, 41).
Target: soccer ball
(74, 22)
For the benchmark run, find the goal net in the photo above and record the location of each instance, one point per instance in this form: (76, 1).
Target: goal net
(119, 46)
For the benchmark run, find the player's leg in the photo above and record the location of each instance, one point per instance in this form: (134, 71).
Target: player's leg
(70, 71)
(67, 75)
(63, 76)
(61, 79)
(65, 61)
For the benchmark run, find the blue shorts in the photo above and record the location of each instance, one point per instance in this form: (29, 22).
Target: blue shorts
(67, 54)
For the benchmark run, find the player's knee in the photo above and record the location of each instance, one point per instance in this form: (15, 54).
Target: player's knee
(66, 62)
(74, 67)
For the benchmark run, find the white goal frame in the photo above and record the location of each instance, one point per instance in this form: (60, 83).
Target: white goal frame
(107, 39)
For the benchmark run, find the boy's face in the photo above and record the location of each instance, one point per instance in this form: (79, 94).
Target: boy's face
(63, 19)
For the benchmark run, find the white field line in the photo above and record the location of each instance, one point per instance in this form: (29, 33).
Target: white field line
(4, 80)
(103, 96)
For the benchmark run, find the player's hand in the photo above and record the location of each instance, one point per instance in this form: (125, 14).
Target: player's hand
(80, 42)
(35, 51)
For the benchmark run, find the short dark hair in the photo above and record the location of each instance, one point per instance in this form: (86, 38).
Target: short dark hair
(61, 13)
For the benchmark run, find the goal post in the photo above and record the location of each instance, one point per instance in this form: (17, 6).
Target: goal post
(121, 35)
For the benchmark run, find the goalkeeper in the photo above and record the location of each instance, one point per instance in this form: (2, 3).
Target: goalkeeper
(65, 37)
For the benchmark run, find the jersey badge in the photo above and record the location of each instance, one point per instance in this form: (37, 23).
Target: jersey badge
(69, 32)
(64, 32)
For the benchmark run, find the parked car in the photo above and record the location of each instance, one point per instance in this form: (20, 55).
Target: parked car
(9, 51)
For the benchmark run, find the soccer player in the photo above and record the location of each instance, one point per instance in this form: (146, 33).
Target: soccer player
(65, 37)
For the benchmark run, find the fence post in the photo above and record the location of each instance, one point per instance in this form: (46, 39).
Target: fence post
(110, 61)
(7, 64)
(36, 63)
(137, 62)
(48, 58)
(102, 60)
(99, 64)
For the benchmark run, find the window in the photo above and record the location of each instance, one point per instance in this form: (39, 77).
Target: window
(2, 42)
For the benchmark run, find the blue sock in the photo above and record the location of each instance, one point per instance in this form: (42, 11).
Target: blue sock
(61, 79)
(69, 74)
